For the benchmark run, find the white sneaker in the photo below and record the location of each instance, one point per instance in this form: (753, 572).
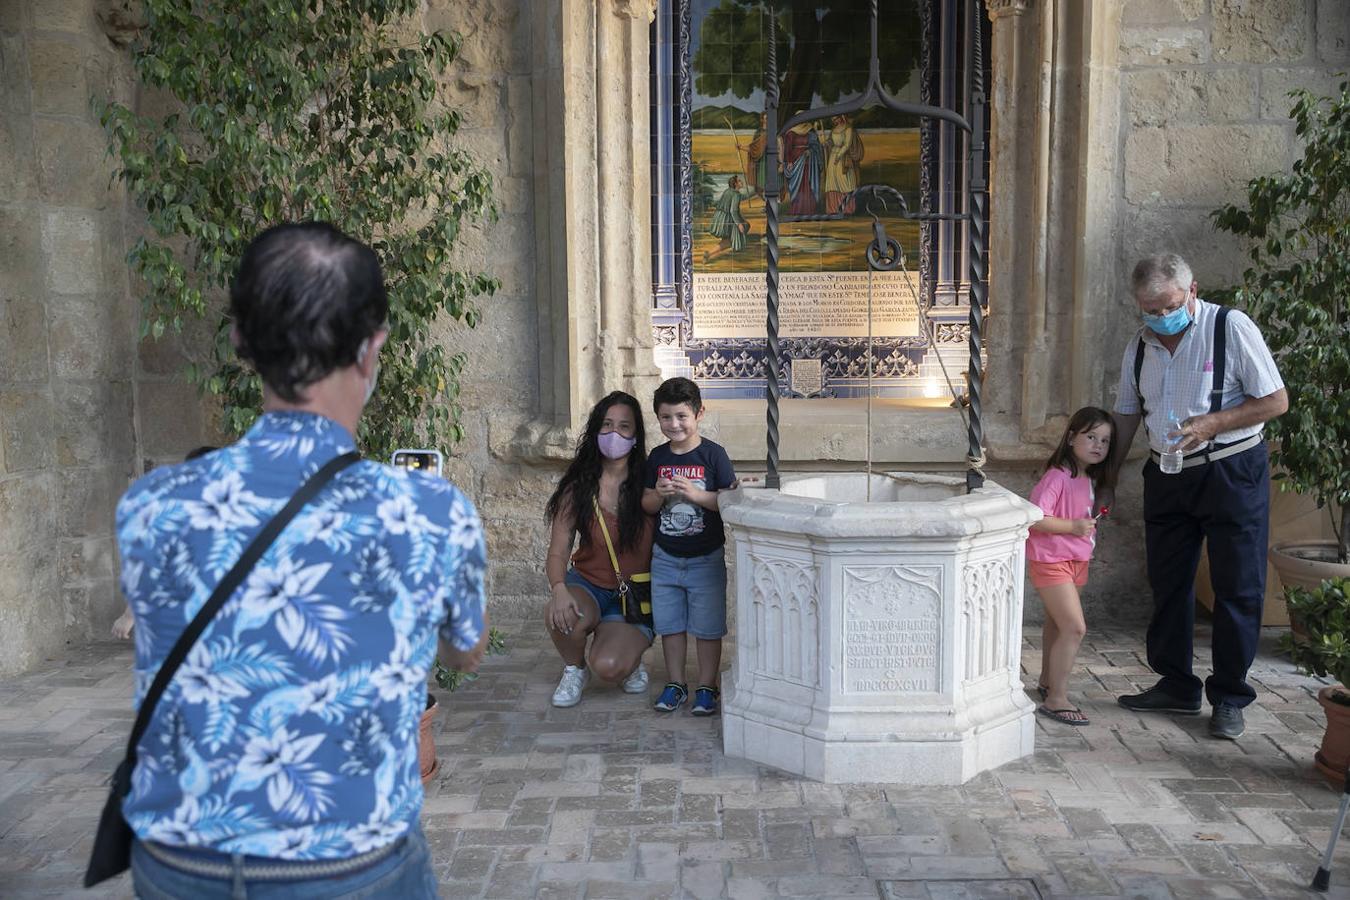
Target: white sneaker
(570, 686)
(636, 683)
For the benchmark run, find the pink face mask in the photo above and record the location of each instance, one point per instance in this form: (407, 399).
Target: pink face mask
(614, 445)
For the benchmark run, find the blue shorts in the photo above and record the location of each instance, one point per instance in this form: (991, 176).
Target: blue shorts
(689, 594)
(611, 607)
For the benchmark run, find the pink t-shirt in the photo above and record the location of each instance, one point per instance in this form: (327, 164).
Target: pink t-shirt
(1061, 495)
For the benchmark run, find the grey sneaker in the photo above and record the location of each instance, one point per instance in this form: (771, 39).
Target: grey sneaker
(1226, 722)
(637, 681)
(570, 686)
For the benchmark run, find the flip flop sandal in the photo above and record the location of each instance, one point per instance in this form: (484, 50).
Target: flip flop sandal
(1042, 691)
(1062, 715)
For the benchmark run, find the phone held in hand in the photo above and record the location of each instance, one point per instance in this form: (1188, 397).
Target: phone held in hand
(418, 460)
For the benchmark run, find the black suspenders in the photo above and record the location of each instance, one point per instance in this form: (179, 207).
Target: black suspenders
(1220, 359)
(1220, 343)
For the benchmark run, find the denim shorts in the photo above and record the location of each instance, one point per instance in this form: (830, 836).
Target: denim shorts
(611, 607)
(405, 873)
(689, 593)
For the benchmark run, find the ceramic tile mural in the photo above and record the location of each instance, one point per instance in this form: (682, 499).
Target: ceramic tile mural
(717, 59)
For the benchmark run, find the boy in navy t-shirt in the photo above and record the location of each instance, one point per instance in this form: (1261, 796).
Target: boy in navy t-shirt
(689, 573)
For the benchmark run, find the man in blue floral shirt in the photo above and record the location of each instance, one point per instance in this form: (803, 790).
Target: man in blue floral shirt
(285, 748)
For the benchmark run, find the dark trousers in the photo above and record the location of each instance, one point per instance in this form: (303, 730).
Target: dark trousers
(1227, 503)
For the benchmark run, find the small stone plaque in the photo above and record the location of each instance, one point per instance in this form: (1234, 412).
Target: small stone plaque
(808, 377)
(893, 629)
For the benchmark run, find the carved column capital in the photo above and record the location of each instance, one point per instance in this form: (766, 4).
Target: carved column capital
(1000, 8)
(636, 9)
(121, 20)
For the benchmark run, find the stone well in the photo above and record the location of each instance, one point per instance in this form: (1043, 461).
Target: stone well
(878, 641)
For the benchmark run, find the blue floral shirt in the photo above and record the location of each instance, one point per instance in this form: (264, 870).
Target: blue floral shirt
(291, 729)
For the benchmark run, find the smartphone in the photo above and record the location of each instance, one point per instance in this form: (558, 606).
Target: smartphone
(418, 460)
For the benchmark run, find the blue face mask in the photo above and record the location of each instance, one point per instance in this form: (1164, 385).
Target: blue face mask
(1174, 322)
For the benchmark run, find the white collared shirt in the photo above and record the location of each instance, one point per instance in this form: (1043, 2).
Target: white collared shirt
(1176, 386)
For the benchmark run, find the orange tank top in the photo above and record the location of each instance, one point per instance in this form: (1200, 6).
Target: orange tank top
(591, 559)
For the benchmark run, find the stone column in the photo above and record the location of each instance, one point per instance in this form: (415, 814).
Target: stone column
(1095, 279)
(67, 331)
(593, 187)
(1054, 191)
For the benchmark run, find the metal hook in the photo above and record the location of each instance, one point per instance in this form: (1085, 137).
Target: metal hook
(872, 198)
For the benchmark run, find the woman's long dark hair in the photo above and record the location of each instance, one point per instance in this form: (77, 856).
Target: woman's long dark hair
(581, 482)
(1103, 474)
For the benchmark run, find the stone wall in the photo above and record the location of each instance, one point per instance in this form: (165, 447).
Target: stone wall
(67, 331)
(1204, 109)
(500, 385)
(1118, 126)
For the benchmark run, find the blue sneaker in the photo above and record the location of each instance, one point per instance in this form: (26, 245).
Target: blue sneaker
(672, 698)
(705, 701)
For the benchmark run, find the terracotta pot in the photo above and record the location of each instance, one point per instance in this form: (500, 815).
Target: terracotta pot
(1307, 564)
(1334, 754)
(427, 762)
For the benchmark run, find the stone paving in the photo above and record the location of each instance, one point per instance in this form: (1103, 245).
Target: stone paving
(610, 800)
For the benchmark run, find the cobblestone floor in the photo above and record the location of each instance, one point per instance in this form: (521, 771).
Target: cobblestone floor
(610, 800)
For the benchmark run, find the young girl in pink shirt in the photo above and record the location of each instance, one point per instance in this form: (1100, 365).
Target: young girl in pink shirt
(1060, 547)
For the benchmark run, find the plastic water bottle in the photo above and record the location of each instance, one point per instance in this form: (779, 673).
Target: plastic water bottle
(1170, 461)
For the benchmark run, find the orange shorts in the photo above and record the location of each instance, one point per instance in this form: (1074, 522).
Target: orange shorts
(1070, 571)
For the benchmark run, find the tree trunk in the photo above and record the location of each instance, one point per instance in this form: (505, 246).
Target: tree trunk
(1344, 535)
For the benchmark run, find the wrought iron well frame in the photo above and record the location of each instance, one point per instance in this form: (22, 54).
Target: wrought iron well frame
(975, 217)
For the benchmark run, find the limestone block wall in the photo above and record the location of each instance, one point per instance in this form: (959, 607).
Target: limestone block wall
(1123, 124)
(492, 84)
(1204, 109)
(67, 331)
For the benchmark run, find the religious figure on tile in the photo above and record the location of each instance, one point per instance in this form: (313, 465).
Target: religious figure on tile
(728, 223)
(803, 160)
(843, 154)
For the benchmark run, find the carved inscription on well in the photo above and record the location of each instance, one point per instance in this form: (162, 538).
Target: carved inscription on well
(892, 629)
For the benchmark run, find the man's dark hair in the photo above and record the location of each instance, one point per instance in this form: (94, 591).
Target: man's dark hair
(304, 299)
(674, 391)
(199, 452)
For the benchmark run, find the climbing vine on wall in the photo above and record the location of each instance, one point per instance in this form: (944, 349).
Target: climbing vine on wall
(290, 110)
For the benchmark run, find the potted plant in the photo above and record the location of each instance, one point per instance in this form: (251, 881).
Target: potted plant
(1324, 650)
(1296, 292)
(448, 680)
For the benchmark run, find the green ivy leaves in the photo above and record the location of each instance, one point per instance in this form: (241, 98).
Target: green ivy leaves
(294, 110)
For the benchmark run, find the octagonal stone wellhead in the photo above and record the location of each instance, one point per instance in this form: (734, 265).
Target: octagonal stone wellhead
(878, 640)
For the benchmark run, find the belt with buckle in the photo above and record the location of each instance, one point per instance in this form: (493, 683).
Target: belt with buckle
(212, 864)
(1215, 453)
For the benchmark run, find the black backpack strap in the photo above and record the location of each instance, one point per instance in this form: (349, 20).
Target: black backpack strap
(224, 590)
(1138, 370)
(1220, 344)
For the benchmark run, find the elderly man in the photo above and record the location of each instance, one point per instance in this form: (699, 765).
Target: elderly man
(282, 756)
(1204, 383)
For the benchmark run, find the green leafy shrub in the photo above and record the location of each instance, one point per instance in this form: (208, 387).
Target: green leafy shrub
(451, 679)
(1324, 615)
(1298, 291)
(290, 110)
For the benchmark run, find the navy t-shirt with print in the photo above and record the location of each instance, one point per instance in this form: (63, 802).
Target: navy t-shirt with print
(684, 528)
